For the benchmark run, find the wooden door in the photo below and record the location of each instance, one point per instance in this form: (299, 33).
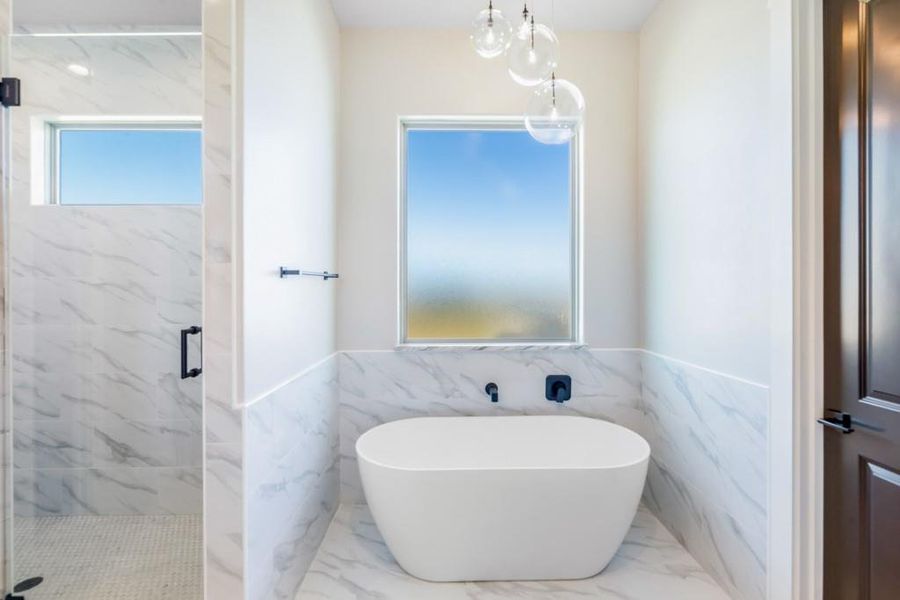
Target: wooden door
(862, 299)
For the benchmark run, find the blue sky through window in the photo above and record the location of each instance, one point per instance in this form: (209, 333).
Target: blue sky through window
(489, 236)
(138, 166)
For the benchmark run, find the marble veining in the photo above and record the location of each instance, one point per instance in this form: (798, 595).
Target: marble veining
(720, 423)
(354, 563)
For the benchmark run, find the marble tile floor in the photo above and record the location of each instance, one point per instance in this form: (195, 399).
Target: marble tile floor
(111, 557)
(354, 563)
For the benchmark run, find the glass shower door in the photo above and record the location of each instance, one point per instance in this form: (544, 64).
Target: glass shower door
(105, 268)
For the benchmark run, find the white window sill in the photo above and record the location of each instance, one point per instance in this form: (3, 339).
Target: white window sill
(499, 347)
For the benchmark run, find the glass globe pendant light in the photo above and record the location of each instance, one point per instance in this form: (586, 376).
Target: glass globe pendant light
(555, 111)
(534, 55)
(491, 32)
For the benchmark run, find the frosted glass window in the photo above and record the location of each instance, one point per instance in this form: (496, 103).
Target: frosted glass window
(127, 165)
(489, 240)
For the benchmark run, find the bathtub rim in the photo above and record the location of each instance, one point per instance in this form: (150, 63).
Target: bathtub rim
(644, 458)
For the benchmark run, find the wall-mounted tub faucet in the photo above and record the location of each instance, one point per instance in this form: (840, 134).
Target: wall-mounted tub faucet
(493, 391)
(558, 388)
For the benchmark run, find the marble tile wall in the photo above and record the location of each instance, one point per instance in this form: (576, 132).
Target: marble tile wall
(707, 480)
(150, 76)
(291, 483)
(103, 423)
(223, 473)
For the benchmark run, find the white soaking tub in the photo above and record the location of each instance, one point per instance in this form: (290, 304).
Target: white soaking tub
(502, 498)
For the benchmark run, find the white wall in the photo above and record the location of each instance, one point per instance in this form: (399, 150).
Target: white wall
(290, 106)
(389, 73)
(715, 234)
(705, 207)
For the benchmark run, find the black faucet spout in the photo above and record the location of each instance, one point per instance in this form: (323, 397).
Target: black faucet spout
(493, 391)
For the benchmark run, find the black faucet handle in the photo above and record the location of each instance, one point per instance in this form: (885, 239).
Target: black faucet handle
(558, 388)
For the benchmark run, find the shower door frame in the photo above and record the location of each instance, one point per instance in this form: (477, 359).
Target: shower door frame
(6, 581)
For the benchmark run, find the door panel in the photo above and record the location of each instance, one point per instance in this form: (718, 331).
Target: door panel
(883, 331)
(862, 297)
(881, 519)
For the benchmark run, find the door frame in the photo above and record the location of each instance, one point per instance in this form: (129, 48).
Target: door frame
(808, 405)
(795, 167)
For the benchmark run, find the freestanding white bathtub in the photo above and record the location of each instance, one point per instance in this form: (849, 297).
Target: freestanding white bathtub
(502, 498)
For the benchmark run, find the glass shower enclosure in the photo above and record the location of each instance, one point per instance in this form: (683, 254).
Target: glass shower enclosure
(104, 272)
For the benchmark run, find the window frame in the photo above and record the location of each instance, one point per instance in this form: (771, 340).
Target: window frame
(53, 130)
(475, 123)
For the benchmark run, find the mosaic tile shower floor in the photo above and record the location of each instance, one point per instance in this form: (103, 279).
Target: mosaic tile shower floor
(111, 557)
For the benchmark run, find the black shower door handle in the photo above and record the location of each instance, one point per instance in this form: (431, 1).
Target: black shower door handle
(185, 372)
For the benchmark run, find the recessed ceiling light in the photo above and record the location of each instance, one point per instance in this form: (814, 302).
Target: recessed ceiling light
(80, 70)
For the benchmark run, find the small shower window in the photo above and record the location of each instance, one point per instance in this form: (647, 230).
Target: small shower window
(131, 163)
(489, 235)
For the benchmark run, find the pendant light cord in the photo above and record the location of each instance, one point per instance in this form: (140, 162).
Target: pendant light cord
(553, 87)
(553, 26)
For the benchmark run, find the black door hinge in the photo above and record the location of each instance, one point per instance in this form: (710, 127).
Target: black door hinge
(10, 92)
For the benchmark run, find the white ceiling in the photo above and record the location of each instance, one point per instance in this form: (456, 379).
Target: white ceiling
(613, 15)
(616, 15)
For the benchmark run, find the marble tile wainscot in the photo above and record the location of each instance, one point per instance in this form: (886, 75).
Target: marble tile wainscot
(708, 479)
(291, 479)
